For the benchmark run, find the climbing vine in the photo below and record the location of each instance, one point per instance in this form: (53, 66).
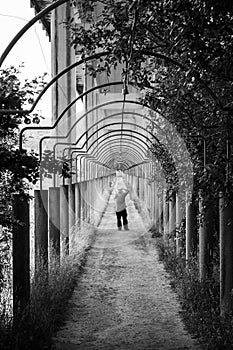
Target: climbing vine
(18, 168)
(178, 53)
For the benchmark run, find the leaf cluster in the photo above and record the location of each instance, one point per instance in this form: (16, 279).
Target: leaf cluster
(178, 53)
(199, 300)
(52, 165)
(18, 168)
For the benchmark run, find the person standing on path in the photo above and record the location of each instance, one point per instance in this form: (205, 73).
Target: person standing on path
(121, 211)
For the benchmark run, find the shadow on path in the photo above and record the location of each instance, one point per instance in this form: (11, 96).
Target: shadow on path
(123, 300)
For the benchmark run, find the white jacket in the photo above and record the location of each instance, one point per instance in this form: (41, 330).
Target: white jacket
(120, 199)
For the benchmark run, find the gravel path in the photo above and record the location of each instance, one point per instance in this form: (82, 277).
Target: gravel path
(123, 299)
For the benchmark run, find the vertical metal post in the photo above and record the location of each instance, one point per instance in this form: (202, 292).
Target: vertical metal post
(160, 213)
(88, 200)
(54, 220)
(77, 203)
(205, 229)
(178, 225)
(191, 234)
(41, 228)
(82, 202)
(71, 210)
(226, 254)
(64, 220)
(71, 201)
(172, 217)
(21, 256)
(165, 216)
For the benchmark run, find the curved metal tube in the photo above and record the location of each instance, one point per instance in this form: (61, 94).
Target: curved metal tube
(86, 131)
(84, 115)
(109, 132)
(108, 125)
(50, 127)
(131, 152)
(27, 26)
(115, 143)
(102, 143)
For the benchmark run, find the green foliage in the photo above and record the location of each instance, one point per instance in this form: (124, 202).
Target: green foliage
(199, 300)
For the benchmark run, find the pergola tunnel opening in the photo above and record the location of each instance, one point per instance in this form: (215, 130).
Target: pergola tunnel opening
(104, 130)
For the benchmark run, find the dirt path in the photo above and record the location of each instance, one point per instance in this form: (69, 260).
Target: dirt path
(123, 300)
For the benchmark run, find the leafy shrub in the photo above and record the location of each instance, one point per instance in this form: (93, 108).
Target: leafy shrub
(199, 300)
(50, 291)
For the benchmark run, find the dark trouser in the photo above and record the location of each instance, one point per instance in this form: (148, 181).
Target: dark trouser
(122, 214)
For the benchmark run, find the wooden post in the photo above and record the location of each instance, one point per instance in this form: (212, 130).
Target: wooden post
(41, 228)
(64, 220)
(54, 220)
(226, 254)
(21, 256)
(191, 233)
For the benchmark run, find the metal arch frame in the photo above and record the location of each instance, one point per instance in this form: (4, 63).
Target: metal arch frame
(138, 164)
(115, 156)
(93, 158)
(116, 143)
(106, 154)
(91, 110)
(89, 163)
(74, 149)
(112, 83)
(127, 162)
(78, 150)
(85, 157)
(109, 136)
(27, 26)
(95, 124)
(127, 141)
(104, 126)
(143, 52)
(120, 161)
(144, 162)
(102, 161)
(108, 132)
(131, 151)
(107, 125)
(50, 127)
